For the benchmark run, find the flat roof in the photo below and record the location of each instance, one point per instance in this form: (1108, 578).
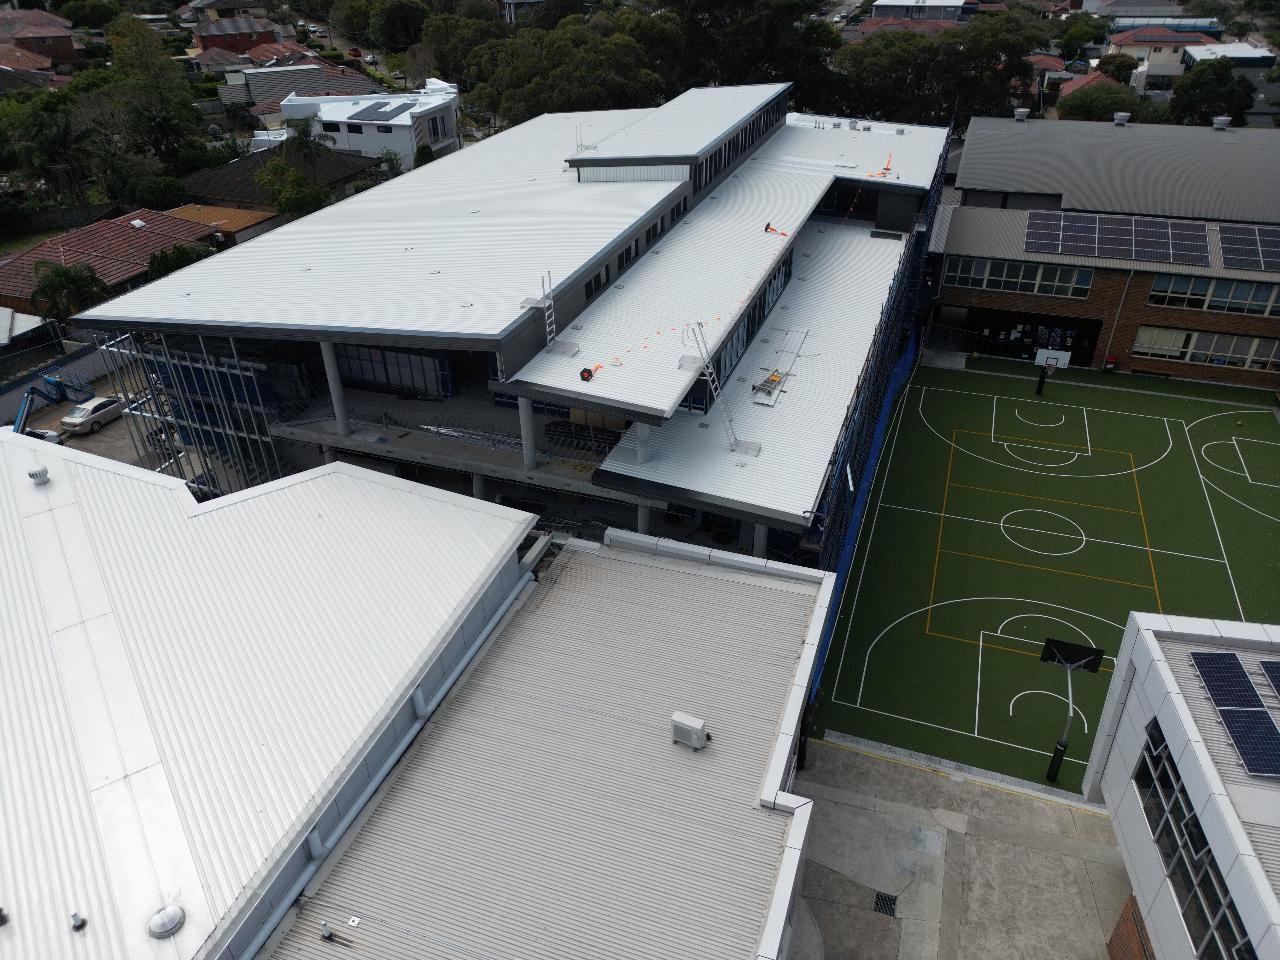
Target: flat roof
(710, 265)
(1230, 51)
(1001, 234)
(385, 108)
(452, 248)
(544, 810)
(840, 282)
(685, 126)
(186, 684)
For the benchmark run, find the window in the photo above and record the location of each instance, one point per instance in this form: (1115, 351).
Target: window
(679, 210)
(1211, 919)
(354, 128)
(383, 128)
(593, 285)
(1202, 293)
(330, 127)
(1157, 49)
(652, 233)
(1240, 296)
(1218, 349)
(629, 253)
(1018, 277)
(1171, 291)
(435, 128)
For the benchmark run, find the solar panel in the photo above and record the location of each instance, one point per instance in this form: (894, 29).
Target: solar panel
(1224, 677)
(1119, 238)
(1272, 669)
(1256, 738)
(1250, 248)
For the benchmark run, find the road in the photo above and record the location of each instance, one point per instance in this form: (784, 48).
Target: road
(339, 42)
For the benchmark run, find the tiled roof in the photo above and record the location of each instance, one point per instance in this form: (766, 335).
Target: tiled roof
(117, 250)
(1044, 61)
(11, 79)
(286, 50)
(216, 56)
(1079, 83)
(15, 58)
(235, 182)
(227, 219)
(32, 23)
(230, 26)
(265, 107)
(1157, 35)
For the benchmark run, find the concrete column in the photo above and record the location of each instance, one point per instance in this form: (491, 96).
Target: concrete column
(528, 442)
(477, 486)
(336, 396)
(642, 442)
(642, 520)
(761, 540)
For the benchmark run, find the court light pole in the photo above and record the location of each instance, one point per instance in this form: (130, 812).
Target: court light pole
(1073, 657)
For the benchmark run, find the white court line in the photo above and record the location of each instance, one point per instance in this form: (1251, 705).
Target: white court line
(1214, 517)
(1062, 418)
(1088, 442)
(1040, 463)
(1056, 533)
(1040, 643)
(1054, 403)
(1214, 463)
(1225, 413)
(1056, 696)
(1242, 503)
(1240, 453)
(977, 699)
(994, 407)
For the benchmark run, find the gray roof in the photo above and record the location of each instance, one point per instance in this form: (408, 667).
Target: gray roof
(1144, 169)
(999, 234)
(544, 812)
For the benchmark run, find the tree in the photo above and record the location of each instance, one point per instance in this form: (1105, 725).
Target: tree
(351, 17)
(1080, 29)
(290, 191)
(552, 12)
(395, 24)
(1208, 90)
(63, 291)
(448, 41)
(423, 155)
(1118, 66)
(1098, 101)
(1204, 9)
(1239, 28)
(164, 262)
(305, 142)
(391, 163)
(91, 14)
(159, 192)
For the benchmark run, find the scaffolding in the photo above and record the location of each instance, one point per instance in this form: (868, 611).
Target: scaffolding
(203, 414)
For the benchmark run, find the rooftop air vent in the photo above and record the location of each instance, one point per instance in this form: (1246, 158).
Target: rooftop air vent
(1120, 119)
(166, 921)
(689, 731)
(39, 475)
(865, 126)
(1221, 123)
(1021, 114)
(139, 224)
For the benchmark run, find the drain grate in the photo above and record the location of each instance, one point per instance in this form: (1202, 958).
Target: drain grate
(885, 903)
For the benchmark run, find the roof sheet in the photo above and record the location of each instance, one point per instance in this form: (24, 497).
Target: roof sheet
(543, 813)
(16, 58)
(236, 182)
(1156, 34)
(451, 247)
(32, 23)
(685, 126)
(1194, 172)
(161, 729)
(221, 218)
(1231, 51)
(841, 279)
(233, 26)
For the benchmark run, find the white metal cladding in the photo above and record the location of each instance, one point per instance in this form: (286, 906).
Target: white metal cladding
(675, 172)
(684, 126)
(186, 683)
(544, 812)
(844, 148)
(707, 268)
(453, 247)
(839, 282)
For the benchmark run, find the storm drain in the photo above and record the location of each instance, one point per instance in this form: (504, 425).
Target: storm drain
(885, 903)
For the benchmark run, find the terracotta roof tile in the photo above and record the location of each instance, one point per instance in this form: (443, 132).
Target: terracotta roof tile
(15, 58)
(1079, 83)
(229, 219)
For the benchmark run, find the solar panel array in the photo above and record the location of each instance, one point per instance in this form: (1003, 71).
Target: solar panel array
(1250, 726)
(1121, 238)
(1250, 248)
(1272, 669)
(382, 110)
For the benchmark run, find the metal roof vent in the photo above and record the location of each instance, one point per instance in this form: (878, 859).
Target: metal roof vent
(39, 475)
(1221, 123)
(1021, 114)
(1120, 119)
(166, 921)
(139, 224)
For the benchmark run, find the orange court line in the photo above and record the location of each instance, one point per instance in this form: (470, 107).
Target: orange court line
(1033, 566)
(1033, 496)
(1155, 584)
(992, 646)
(942, 518)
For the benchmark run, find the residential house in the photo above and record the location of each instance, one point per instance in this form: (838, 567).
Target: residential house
(231, 225)
(315, 77)
(1158, 51)
(923, 9)
(235, 184)
(205, 10)
(15, 57)
(1105, 241)
(372, 125)
(1209, 26)
(1146, 9)
(40, 33)
(1080, 82)
(218, 60)
(1049, 73)
(236, 34)
(118, 250)
(27, 80)
(281, 53)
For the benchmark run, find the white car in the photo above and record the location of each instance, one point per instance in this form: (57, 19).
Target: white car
(52, 436)
(92, 415)
(370, 58)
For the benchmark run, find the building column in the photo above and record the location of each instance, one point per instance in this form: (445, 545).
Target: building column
(528, 443)
(336, 396)
(477, 486)
(642, 520)
(642, 442)
(761, 540)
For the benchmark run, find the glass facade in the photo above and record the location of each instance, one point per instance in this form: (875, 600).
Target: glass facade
(1018, 276)
(1204, 293)
(1216, 349)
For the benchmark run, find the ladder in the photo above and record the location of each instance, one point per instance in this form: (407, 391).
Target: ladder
(549, 308)
(698, 336)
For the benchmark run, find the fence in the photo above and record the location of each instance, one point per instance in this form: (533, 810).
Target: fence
(85, 364)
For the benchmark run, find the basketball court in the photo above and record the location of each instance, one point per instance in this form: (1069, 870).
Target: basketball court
(1001, 518)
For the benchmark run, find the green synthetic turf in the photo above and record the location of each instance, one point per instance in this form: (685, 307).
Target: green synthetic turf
(999, 518)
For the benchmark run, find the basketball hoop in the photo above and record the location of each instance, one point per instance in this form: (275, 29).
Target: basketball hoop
(1050, 365)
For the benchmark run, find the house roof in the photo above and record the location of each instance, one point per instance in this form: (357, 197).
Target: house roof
(195, 683)
(282, 50)
(235, 182)
(1239, 51)
(1088, 80)
(16, 58)
(233, 26)
(265, 108)
(32, 23)
(1193, 172)
(1046, 61)
(217, 56)
(1147, 35)
(227, 219)
(117, 250)
(873, 25)
(500, 838)
(11, 79)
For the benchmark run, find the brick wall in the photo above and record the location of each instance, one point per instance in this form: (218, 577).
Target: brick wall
(1129, 940)
(1107, 299)
(60, 49)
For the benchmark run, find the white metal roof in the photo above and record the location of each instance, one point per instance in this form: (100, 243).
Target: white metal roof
(343, 108)
(840, 281)
(544, 813)
(450, 248)
(897, 154)
(684, 126)
(183, 682)
(1229, 51)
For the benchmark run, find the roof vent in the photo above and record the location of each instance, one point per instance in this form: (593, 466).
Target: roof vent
(39, 475)
(1221, 123)
(1121, 119)
(689, 731)
(139, 224)
(1021, 114)
(166, 921)
(865, 126)
(901, 131)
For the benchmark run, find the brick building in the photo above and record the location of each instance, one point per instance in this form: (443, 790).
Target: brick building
(1148, 248)
(236, 34)
(40, 33)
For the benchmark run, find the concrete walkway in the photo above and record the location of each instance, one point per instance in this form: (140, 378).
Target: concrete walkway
(981, 871)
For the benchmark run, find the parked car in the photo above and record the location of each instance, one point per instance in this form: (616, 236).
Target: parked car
(322, 34)
(370, 58)
(37, 434)
(397, 75)
(301, 25)
(92, 415)
(312, 28)
(355, 53)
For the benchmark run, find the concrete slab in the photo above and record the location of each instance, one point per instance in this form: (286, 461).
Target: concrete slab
(917, 940)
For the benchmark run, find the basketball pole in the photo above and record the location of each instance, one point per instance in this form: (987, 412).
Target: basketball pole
(1044, 373)
(1060, 748)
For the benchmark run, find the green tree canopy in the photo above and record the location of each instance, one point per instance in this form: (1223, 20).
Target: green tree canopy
(290, 191)
(164, 262)
(63, 291)
(92, 14)
(396, 24)
(1118, 66)
(1098, 101)
(423, 155)
(448, 41)
(1209, 90)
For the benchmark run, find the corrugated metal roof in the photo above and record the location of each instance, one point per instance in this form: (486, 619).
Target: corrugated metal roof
(685, 126)
(1149, 169)
(184, 682)
(544, 814)
(841, 278)
(1001, 234)
(452, 247)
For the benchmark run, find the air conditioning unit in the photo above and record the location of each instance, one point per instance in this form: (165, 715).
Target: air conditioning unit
(689, 731)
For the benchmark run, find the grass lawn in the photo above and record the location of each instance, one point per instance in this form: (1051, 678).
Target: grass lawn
(1000, 518)
(19, 244)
